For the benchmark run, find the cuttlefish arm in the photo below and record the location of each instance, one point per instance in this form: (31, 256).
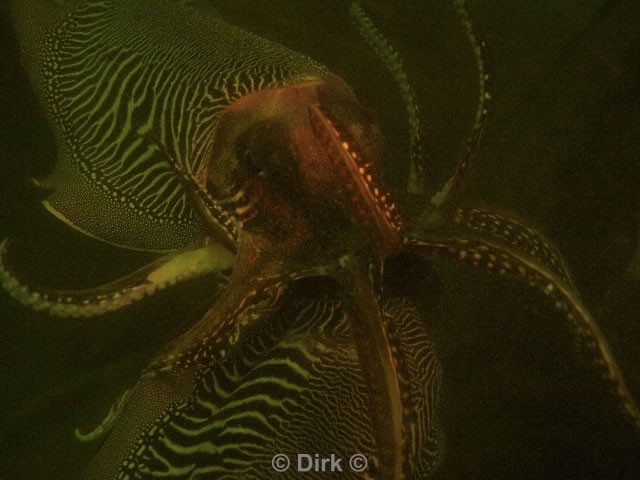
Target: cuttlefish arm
(528, 256)
(164, 272)
(446, 199)
(443, 201)
(416, 181)
(372, 209)
(379, 362)
(500, 228)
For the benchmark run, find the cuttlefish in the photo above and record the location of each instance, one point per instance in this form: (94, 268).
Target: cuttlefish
(181, 134)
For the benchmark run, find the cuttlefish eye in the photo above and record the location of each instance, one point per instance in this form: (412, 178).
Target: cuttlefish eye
(249, 163)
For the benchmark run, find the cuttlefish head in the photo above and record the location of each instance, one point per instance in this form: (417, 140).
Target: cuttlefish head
(300, 161)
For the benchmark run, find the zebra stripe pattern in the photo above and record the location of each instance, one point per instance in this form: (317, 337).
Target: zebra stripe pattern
(134, 91)
(296, 386)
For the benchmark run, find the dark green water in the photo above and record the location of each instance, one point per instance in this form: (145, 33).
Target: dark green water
(562, 150)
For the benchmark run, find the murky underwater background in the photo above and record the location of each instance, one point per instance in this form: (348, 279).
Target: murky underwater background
(562, 150)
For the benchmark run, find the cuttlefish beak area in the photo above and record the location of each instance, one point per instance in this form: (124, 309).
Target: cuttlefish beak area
(314, 140)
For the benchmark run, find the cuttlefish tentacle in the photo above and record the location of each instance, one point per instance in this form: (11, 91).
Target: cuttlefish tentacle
(164, 272)
(507, 229)
(509, 260)
(416, 181)
(445, 199)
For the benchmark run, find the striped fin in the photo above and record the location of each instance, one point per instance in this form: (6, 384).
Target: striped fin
(297, 386)
(420, 377)
(113, 74)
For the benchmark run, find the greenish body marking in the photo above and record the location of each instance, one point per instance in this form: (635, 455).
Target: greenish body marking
(117, 78)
